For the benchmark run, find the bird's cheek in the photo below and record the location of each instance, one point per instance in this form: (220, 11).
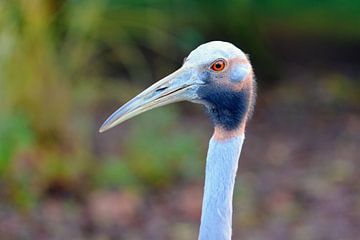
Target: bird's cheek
(205, 77)
(238, 73)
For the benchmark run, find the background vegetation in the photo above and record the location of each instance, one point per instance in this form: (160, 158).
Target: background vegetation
(65, 65)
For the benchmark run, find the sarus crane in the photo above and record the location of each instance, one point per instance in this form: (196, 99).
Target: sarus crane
(219, 76)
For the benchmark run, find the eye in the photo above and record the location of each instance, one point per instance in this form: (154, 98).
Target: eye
(218, 65)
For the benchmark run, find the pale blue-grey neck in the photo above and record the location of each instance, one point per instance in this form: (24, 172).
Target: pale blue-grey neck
(221, 167)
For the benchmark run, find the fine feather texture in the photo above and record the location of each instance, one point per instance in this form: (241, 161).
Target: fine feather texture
(227, 107)
(221, 167)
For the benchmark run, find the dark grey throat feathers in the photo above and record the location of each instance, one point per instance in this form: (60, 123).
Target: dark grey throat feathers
(227, 107)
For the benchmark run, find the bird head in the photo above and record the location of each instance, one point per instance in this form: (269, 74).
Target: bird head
(216, 74)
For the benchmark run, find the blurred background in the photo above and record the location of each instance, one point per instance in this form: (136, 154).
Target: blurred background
(66, 65)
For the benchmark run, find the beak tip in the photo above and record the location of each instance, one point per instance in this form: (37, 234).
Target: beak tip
(103, 128)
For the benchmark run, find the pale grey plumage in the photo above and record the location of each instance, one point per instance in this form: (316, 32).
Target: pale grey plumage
(228, 93)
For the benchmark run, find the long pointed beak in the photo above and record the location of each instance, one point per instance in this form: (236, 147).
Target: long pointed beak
(178, 86)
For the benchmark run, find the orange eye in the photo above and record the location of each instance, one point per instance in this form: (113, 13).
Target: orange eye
(218, 65)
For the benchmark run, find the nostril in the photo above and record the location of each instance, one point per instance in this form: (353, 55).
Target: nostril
(161, 89)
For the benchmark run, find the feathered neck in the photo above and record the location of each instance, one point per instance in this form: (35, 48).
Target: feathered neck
(221, 167)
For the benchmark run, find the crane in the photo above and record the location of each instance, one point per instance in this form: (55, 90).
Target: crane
(219, 76)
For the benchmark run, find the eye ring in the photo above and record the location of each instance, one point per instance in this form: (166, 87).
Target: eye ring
(218, 65)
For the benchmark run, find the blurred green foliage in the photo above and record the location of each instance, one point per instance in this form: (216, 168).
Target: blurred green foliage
(15, 134)
(146, 163)
(50, 71)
